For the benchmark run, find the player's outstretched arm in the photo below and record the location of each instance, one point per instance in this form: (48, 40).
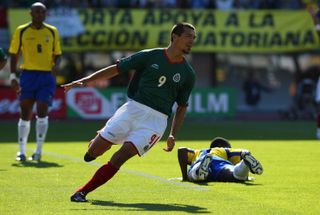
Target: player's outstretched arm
(105, 73)
(183, 162)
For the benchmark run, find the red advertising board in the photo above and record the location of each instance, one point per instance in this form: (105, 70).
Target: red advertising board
(9, 105)
(88, 102)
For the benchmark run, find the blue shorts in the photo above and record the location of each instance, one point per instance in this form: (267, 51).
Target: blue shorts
(37, 85)
(216, 166)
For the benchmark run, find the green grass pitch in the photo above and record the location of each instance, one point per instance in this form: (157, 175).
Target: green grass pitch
(289, 185)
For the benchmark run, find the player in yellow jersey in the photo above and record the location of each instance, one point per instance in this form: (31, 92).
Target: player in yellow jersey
(220, 162)
(39, 45)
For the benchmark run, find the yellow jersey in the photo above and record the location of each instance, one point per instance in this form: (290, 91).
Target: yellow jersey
(230, 154)
(38, 46)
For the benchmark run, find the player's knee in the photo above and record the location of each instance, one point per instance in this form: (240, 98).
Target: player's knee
(87, 157)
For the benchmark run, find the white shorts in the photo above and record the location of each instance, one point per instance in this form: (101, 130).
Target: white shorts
(136, 123)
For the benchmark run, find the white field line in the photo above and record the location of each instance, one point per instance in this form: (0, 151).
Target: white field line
(132, 172)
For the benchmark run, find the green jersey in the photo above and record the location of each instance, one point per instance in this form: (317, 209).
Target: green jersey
(157, 82)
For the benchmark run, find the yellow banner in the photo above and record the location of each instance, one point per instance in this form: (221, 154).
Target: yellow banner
(260, 31)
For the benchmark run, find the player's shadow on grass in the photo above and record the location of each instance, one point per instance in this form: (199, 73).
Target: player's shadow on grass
(40, 164)
(153, 207)
(247, 183)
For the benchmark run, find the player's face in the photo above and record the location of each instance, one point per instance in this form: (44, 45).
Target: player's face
(185, 41)
(38, 14)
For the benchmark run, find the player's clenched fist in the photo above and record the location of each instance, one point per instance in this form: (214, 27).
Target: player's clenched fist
(170, 144)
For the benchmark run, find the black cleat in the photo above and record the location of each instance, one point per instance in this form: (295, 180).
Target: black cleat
(21, 157)
(78, 197)
(251, 162)
(35, 157)
(88, 158)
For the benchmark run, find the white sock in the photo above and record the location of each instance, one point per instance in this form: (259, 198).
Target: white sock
(192, 173)
(241, 171)
(23, 134)
(318, 133)
(42, 125)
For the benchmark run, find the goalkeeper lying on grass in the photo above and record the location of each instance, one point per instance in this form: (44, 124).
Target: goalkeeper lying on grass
(220, 162)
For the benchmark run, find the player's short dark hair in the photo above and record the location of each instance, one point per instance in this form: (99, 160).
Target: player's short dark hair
(220, 142)
(179, 28)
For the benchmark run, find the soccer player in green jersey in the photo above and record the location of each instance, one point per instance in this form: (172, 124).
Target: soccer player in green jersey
(39, 45)
(162, 77)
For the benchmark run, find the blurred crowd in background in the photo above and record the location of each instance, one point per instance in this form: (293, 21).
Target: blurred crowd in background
(212, 4)
(282, 75)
